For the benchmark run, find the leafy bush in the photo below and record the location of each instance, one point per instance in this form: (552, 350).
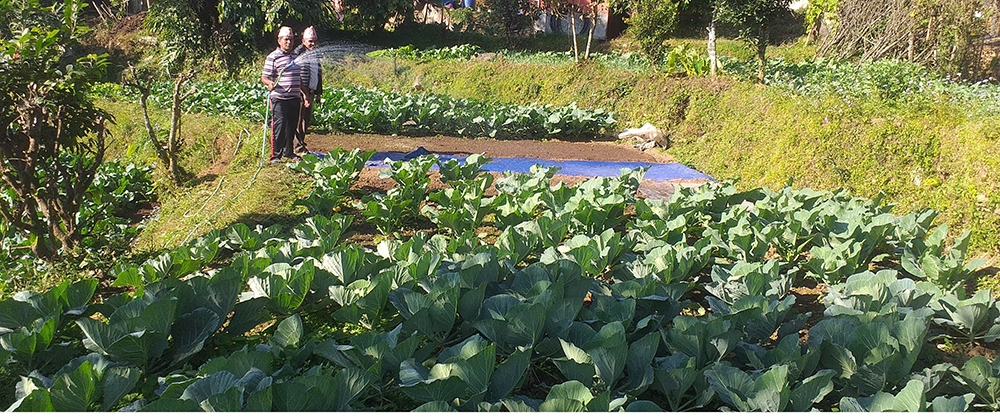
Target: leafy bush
(651, 24)
(686, 61)
(118, 190)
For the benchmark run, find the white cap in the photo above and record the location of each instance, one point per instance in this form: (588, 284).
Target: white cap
(309, 33)
(285, 31)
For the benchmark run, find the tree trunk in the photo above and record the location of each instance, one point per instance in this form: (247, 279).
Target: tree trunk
(161, 150)
(761, 51)
(590, 34)
(712, 59)
(173, 141)
(144, 91)
(576, 47)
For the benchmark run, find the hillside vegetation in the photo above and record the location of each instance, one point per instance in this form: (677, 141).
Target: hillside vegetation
(920, 153)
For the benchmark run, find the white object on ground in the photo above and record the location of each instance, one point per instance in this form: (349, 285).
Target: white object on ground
(647, 134)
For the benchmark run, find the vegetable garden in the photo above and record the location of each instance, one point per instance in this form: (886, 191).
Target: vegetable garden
(540, 298)
(386, 112)
(494, 293)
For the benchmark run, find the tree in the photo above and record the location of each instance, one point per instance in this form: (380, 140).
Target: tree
(373, 15)
(591, 11)
(53, 140)
(651, 23)
(817, 12)
(569, 9)
(510, 17)
(227, 30)
(752, 19)
(169, 151)
(559, 9)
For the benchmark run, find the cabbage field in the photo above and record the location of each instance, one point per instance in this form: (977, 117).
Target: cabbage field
(539, 298)
(369, 110)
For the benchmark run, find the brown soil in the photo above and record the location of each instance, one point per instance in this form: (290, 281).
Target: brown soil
(553, 150)
(807, 300)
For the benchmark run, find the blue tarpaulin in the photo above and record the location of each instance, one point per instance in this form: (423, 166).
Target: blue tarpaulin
(657, 172)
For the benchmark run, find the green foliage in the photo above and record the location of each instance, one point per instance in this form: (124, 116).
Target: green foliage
(891, 82)
(596, 300)
(651, 24)
(871, 352)
(223, 32)
(977, 317)
(364, 110)
(752, 18)
(770, 391)
(333, 176)
(820, 10)
(982, 376)
(454, 172)
(367, 110)
(679, 380)
(867, 293)
(461, 208)
(32, 325)
(88, 383)
(374, 15)
(411, 180)
(118, 190)
(509, 17)
(685, 60)
(53, 140)
(629, 61)
(847, 134)
(910, 399)
(462, 371)
(459, 52)
(24, 16)
(924, 257)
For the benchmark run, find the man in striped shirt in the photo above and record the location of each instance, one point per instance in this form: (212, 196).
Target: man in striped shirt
(283, 78)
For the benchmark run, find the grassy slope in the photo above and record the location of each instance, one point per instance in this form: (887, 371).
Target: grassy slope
(919, 154)
(192, 209)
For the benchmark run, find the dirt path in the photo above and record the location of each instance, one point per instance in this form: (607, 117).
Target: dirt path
(552, 149)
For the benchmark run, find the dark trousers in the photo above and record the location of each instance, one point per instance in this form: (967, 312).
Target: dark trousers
(300, 132)
(284, 119)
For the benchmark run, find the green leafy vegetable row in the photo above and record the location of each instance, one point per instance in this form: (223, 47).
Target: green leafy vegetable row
(374, 111)
(893, 82)
(588, 299)
(465, 52)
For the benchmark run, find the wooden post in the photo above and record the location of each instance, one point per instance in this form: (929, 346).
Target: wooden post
(712, 59)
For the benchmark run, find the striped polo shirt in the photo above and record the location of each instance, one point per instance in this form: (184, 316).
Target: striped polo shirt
(289, 85)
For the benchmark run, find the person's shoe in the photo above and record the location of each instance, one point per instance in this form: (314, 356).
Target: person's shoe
(296, 158)
(275, 160)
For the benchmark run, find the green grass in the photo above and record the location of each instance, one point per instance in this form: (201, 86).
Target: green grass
(227, 182)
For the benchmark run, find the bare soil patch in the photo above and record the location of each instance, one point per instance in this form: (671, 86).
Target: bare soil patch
(552, 149)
